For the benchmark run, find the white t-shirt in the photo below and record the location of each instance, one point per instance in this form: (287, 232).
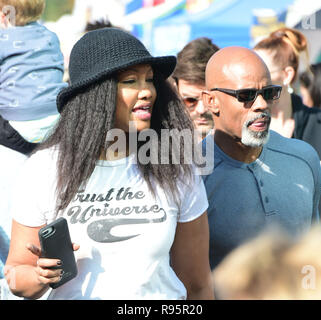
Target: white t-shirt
(125, 234)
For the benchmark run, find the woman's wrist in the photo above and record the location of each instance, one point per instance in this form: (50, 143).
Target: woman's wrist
(23, 281)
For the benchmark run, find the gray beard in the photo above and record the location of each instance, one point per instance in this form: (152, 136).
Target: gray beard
(255, 139)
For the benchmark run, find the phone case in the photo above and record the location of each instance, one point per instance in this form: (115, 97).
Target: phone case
(56, 244)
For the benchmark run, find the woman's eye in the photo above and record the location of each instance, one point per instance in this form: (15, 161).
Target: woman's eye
(150, 80)
(128, 81)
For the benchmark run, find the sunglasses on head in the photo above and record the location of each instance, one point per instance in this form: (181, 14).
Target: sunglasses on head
(247, 95)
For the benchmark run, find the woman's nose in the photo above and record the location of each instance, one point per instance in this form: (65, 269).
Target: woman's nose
(146, 90)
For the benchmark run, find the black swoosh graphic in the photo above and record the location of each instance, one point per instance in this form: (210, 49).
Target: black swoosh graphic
(100, 230)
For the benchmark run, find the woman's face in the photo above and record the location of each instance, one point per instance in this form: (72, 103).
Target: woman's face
(136, 95)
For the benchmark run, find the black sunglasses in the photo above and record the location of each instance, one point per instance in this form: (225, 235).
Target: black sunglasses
(247, 95)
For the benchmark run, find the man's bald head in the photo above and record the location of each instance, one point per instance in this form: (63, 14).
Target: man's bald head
(246, 123)
(231, 63)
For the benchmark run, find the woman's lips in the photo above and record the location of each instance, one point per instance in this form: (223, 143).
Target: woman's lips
(142, 112)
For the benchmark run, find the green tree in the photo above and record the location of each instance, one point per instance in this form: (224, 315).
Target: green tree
(57, 8)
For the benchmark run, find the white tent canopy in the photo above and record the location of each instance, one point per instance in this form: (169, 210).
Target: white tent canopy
(302, 10)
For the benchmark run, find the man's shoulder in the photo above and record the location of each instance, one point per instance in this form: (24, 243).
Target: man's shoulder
(292, 147)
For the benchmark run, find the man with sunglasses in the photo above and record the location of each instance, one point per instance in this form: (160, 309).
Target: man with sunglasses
(189, 76)
(260, 179)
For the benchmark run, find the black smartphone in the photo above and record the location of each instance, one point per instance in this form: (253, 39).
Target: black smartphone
(56, 244)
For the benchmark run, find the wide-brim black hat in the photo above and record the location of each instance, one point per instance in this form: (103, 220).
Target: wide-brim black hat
(102, 52)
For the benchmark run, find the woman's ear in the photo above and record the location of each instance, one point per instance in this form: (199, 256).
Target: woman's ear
(210, 102)
(289, 75)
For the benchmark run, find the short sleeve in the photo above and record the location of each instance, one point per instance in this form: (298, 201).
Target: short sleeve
(193, 201)
(32, 197)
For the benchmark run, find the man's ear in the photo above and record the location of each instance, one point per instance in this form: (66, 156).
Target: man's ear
(210, 102)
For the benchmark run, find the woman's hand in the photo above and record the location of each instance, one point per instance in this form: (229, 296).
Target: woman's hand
(27, 273)
(48, 270)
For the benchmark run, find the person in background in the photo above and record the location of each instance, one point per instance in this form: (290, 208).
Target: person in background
(10, 138)
(189, 78)
(144, 232)
(30, 78)
(310, 86)
(290, 117)
(98, 24)
(260, 178)
(31, 69)
(272, 266)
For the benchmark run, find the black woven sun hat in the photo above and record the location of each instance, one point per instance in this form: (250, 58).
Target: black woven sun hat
(102, 52)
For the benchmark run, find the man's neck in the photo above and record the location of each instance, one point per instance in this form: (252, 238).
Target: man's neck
(235, 149)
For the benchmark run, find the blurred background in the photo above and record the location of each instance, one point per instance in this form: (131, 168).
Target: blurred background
(165, 26)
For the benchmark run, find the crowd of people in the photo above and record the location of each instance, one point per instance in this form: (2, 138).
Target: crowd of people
(110, 151)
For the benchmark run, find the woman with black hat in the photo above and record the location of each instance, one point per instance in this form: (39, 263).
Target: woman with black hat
(141, 226)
